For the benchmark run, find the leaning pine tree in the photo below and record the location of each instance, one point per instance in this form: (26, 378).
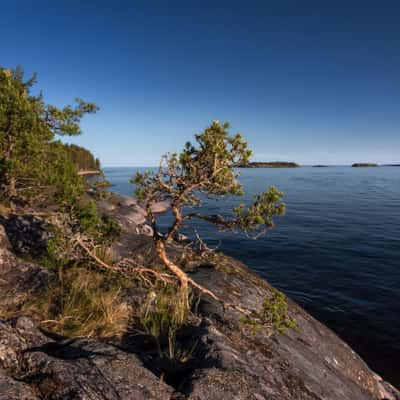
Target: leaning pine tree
(204, 169)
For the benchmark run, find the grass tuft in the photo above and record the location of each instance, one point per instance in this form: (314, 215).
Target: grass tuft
(84, 303)
(165, 311)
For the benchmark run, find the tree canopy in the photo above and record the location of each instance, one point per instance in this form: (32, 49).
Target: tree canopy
(31, 157)
(205, 168)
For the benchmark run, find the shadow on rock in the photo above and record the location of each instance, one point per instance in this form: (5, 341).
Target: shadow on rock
(191, 352)
(71, 349)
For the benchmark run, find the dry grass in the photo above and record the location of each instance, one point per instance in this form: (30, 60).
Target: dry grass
(105, 253)
(85, 303)
(164, 312)
(4, 210)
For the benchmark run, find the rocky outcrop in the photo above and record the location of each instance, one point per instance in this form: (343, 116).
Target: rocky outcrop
(36, 367)
(308, 362)
(28, 234)
(19, 280)
(227, 361)
(130, 215)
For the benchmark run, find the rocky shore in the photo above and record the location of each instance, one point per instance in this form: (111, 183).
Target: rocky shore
(228, 362)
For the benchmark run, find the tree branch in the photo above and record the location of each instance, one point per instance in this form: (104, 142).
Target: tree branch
(215, 219)
(132, 266)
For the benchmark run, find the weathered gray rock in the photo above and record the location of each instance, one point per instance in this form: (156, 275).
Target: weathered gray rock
(124, 209)
(126, 201)
(11, 389)
(70, 369)
(19, 280)
(106, 206)
(129, 214)
(27, 234)
(307, 363)
(135, 215)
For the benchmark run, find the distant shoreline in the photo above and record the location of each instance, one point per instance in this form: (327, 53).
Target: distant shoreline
(270, 164)
(290, 164)
(253, 165)
(89, 172)
(365, 165)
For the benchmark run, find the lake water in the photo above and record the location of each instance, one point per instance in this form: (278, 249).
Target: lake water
(336, 251)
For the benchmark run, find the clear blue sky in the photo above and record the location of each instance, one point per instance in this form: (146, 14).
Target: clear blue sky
(312, 82)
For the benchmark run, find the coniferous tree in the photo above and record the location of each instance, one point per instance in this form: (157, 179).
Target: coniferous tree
(31, 157)
(204, 169)
(82, 158)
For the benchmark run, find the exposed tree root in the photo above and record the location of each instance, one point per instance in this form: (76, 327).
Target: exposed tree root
(126, 266)
(130, 266)
(185, 280)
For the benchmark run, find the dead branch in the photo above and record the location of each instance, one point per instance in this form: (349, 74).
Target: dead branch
(97, 259)
(217, 298)
(184, 279)
(128, 266)
(203, 247)
(166, 278)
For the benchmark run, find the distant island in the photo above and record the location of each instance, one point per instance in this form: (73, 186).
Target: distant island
(365, 165)
(320, 166)
(270, 164)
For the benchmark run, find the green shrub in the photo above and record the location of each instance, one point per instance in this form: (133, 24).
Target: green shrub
(272, 315)
(101, 227)
(88, 216)
(110, 228)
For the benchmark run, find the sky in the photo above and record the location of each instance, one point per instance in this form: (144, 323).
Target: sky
(314, 82)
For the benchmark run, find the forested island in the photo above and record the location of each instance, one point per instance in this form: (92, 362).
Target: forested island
(82, 158)
(98, 302)
(364, 165)
(269, 164)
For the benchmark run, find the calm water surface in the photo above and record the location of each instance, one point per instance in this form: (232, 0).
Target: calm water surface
(336, 251)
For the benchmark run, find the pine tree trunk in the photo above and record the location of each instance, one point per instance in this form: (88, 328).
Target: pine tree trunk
(183, 278)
